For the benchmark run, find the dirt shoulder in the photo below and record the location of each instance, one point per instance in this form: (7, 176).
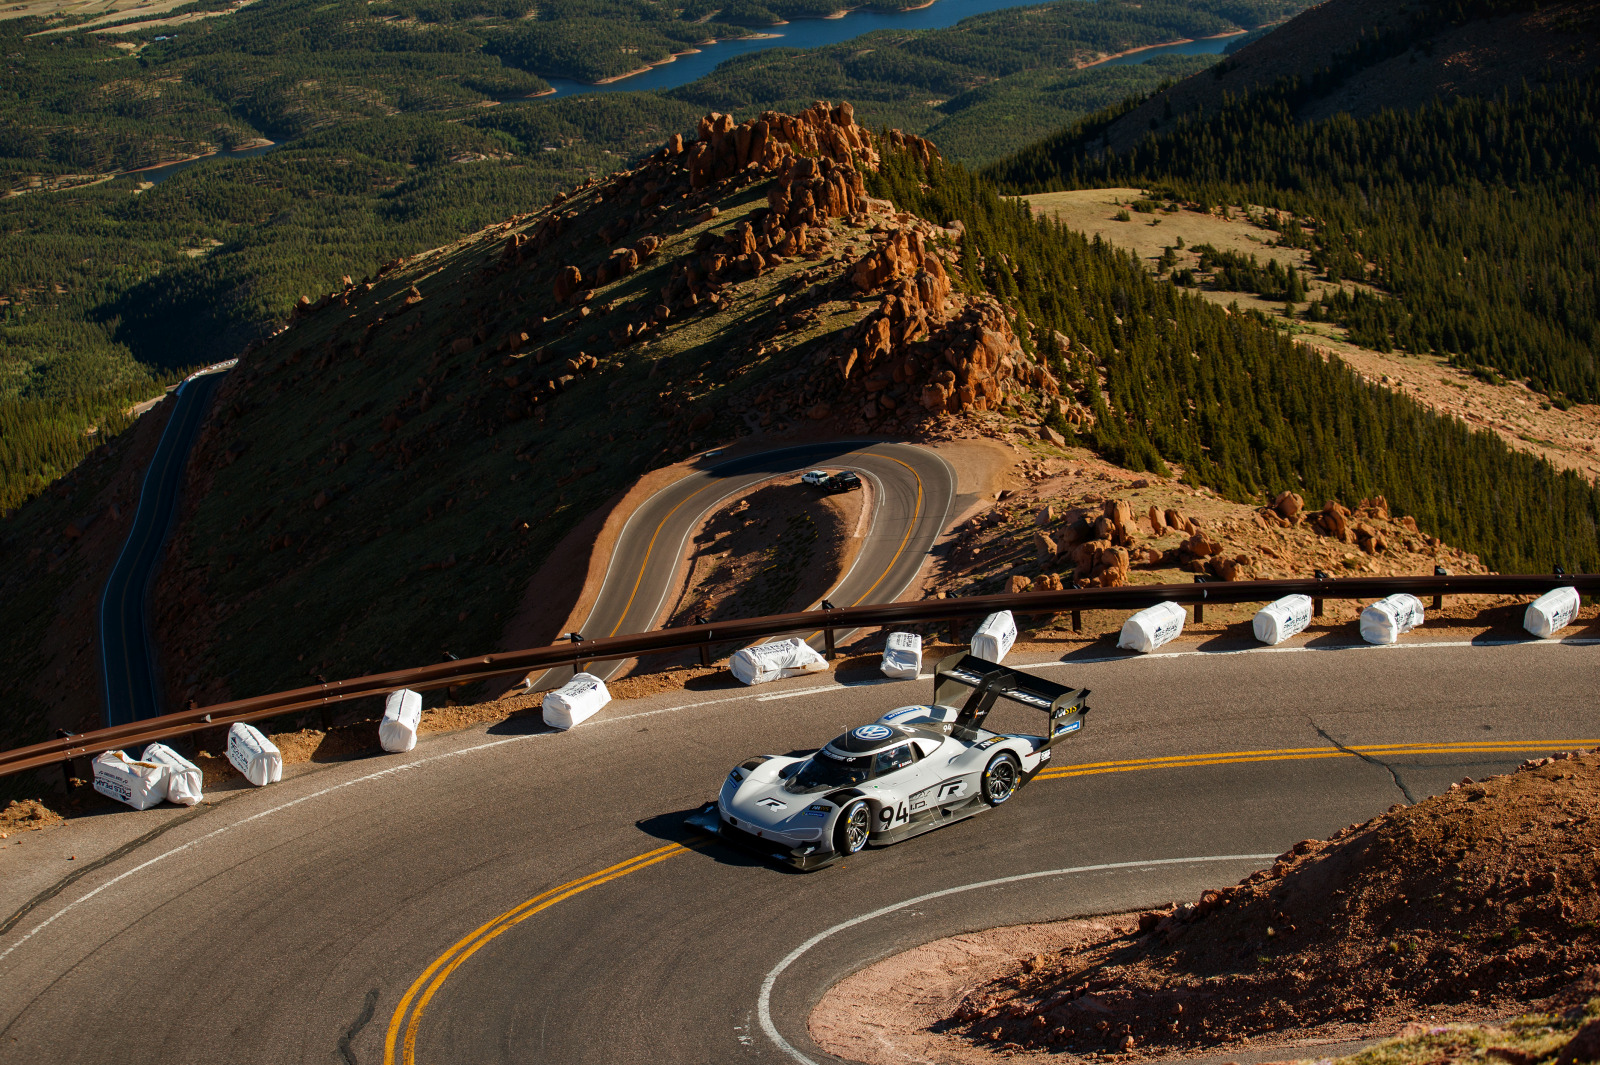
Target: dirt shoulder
(1525, 420)
(889, 1013)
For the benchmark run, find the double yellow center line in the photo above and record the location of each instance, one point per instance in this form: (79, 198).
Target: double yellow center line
(401, 1041)
(1298, 754)
(408, 1015)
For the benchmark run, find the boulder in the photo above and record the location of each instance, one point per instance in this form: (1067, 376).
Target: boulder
(1289, 505)
(1111, 567)
(1334, 521)
(568, 281)
(1199, 545)
(1018, 584)
(1158, 522)
(1045, 545)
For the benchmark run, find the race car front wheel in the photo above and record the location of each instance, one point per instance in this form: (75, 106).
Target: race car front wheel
(1001, 779)
(854, 825)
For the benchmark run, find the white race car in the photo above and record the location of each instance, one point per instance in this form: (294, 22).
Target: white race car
(911, 771)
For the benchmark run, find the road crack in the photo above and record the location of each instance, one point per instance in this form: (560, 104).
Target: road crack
(1394, 774)
(368, 1009)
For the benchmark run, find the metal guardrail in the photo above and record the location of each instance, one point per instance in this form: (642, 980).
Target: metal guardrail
(697, 637)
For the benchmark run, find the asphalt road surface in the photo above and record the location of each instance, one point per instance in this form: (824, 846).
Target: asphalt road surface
(516, 895)
(128, 671)
(915, 495)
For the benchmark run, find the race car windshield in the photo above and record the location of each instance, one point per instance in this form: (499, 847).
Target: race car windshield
(823, 770)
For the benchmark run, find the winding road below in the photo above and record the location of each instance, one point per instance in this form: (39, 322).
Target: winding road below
(914, 491)
(130, 678)
(511, 894)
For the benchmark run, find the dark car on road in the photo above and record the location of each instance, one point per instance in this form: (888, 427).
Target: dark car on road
(842, 482)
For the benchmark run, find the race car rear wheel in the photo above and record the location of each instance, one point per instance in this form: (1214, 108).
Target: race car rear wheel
(850, 832)
(1002, 778)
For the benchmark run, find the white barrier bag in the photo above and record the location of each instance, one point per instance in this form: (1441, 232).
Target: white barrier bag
(252, 754)
(1388, 619)
(770, 661)
(139, 784)
(1278, 621)
(995, 636)
(1552, 612)
(576, 701)
(1152, 627)
(402, 712)
(902, 656)
(185, 781)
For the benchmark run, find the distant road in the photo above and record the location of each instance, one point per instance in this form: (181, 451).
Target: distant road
(132, 683)
(915, 489)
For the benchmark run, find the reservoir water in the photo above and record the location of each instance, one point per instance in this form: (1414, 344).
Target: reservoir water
(157, 174)
(816, 32)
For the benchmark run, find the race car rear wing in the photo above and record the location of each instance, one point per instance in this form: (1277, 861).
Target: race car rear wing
(964, 676)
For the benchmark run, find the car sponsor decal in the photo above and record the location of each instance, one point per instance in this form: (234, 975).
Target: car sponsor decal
(818, 809)
(986, 744)
(872, 733)
(773, 804)
(951, 789)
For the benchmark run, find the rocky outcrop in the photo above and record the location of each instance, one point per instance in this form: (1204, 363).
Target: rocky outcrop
(722, 148)
(810, 190)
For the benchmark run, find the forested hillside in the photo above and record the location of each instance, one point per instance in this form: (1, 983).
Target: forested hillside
(1471, 214)
(1474, 216)
(402, 126)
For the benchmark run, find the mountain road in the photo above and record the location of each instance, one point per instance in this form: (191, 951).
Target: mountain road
(514, 894)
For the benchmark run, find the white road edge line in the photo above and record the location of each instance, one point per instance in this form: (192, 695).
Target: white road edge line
(764, 1002)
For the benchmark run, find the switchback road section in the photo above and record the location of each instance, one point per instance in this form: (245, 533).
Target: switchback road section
(132, 684)
(915, 490)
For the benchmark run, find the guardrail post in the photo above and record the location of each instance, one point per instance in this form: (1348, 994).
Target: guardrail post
(1200, 604)
(576, 638)
(1438, 597)
(705, 648)
(1316, 600)
(66, 764)
(827, 636)
(1077, 621)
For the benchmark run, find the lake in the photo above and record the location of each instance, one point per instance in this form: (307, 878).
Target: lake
(816, 32)
(157, 174)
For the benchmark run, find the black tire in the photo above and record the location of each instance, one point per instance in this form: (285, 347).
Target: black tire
(851, 830)
(1001, 778)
